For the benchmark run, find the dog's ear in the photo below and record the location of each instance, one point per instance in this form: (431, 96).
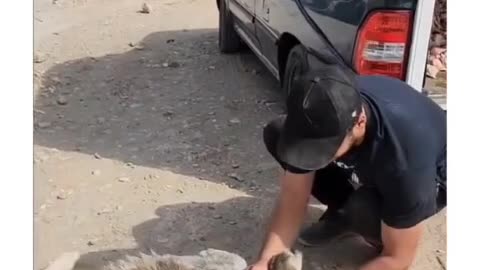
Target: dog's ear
(66, 261)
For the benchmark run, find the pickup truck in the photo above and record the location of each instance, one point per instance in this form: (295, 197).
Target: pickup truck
(388, 37)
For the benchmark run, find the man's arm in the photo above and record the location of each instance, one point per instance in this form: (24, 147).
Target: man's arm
(288, 214)
(399, 248)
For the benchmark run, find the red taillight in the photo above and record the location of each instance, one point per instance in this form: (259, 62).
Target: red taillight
(382, 44)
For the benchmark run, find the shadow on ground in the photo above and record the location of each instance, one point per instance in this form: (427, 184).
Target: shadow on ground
(185, 229)
(176, 103)
(171, 102)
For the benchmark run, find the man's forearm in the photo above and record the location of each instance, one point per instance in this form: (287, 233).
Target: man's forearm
(284, 226)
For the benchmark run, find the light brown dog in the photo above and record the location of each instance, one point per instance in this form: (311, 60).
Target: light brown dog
(210, 259)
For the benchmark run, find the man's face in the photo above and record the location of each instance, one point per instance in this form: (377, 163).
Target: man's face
(354, 137)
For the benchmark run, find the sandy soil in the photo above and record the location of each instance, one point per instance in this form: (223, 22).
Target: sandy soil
(146, 137)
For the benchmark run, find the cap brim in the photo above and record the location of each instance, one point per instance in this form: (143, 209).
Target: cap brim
(306, 153)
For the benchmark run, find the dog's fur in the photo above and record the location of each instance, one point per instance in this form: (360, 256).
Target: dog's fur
(210, 259)
(289, 260)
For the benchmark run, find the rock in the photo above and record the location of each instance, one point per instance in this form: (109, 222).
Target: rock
(162, 240)
(168, 114)
(217, 216)
(90, 243)
(62, 100)
(137, 46)
(165, 64)
(180, 191)
(203, 239)
(235, 177)
(39, 58)
(44, 124)
(170, 40)
(97, 156)
(146, 8)
(129, 164)
(211, 207)
(104, 211)
(96, 172)
(123, 179)
(62, 195)
(232, 222)
(135, 105)
(211, 67)
(173, 65)
(234, 121)
(235, 166)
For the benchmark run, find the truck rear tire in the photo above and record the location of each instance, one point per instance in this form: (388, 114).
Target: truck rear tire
(296, 65)
(228, 39)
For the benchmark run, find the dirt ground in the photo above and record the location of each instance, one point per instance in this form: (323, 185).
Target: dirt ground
(146, 137)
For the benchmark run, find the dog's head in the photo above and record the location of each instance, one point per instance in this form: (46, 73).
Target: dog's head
(288, 260)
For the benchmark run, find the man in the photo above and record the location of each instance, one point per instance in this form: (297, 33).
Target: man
(372, 149)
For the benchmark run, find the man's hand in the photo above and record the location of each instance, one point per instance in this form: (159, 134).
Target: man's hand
(400, 246)
(287, 216)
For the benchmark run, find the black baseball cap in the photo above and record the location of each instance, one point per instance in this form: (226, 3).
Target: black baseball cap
(322, 106)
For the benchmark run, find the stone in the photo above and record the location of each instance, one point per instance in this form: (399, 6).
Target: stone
(137, 46)
(62, 100)
(234, 121)
(44, 124)
(168, 114)
(39, 58)
(96, 172)
(123, 179)
(129, 164)
(146, 8)
(62, 196)
(135, 105)
(97, 156)
(173, 65)
(235, 177)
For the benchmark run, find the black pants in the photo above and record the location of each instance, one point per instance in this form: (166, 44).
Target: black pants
(332, 187)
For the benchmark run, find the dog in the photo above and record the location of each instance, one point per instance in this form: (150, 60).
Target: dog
(210, 259)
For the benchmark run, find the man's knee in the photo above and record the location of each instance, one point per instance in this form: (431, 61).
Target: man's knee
(363, 212)
(271, 134)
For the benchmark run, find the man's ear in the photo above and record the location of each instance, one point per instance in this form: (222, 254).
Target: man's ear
(362, 119)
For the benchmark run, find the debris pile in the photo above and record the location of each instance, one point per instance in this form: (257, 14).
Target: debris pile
(437, 55)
